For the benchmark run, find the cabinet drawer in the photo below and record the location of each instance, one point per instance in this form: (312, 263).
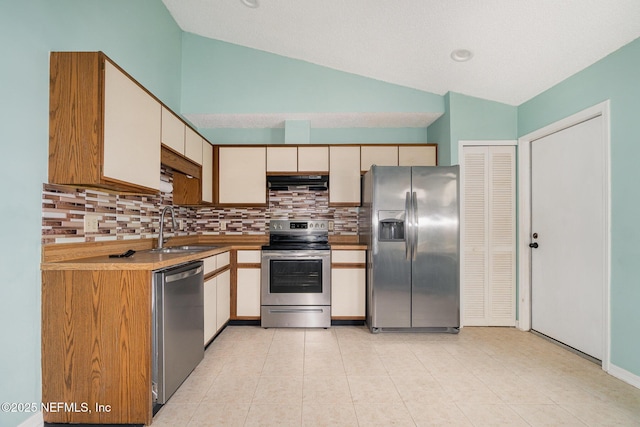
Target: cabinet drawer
(249, 257)
(223, 259)
(210, 264)
(348, 257)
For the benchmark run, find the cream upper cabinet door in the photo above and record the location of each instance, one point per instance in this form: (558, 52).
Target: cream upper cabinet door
(417, 156)
(385, 155)
(193, 146)
(282, 159)
(132, 127)
(344, 175)
(172, 131)
(242, 175)
(313, 159)
(207, 172)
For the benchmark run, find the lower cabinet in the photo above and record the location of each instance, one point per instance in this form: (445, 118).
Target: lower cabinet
(348, 284)
(96, 346)
(217, 294)
(248, 284)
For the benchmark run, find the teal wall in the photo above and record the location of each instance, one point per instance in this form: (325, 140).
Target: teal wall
(220, 77)
(139, 35)
(616, 77)
(470, 118)
(440, 133)
(196, 75)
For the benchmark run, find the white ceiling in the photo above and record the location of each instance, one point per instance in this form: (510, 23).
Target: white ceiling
(520, 47)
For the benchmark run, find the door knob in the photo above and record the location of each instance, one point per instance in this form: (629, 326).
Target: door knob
(533, 245)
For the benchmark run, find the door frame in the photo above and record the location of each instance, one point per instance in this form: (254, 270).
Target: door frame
(476, 143)
(524, 216)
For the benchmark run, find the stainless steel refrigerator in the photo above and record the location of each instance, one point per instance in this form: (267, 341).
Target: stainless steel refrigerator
(410, 221)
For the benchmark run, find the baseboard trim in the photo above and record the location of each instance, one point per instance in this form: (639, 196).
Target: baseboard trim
(624, 375)
(36, 420)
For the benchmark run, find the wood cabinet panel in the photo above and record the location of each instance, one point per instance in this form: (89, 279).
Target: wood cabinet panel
(96, 345)
(104, 128)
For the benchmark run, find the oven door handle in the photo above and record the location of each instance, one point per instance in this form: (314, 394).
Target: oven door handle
(295, 310)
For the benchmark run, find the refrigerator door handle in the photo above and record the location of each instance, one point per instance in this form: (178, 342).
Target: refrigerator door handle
(416, 218)
(407, 220)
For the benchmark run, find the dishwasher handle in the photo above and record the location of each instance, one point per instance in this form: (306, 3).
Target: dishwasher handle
(183, 275)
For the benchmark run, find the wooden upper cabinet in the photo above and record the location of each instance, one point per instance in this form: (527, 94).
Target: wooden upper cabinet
(282, 159)
(417, 155)
(241, 175)
(104, 128)
(380, 155)
(313, 159)
(344, 175)
(173, 130)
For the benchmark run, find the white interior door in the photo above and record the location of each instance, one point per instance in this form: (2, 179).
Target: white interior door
(568, 225)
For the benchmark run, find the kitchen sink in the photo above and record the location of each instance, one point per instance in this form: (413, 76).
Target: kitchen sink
(182, 249)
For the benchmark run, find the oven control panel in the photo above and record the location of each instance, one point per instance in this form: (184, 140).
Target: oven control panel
(296, 226)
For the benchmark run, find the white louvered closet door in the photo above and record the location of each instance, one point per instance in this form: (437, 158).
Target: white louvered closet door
(488, 236)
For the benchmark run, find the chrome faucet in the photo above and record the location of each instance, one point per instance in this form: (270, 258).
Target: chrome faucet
(173, 222)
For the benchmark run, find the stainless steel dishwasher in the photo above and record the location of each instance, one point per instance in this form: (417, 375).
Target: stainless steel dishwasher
(178, 327)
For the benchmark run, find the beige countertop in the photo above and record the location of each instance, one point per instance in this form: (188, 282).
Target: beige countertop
(146, 260)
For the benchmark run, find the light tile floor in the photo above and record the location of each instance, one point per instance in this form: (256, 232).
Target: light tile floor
(346, 376)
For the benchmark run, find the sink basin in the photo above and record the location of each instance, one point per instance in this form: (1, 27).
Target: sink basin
(182, 249)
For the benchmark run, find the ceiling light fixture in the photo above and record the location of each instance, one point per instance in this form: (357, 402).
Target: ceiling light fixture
(461, 55)
(251, 3)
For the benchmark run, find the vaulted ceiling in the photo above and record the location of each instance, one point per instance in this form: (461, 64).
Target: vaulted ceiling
(519, 47)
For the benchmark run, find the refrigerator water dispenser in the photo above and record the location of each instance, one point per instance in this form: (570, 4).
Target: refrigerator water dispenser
(391, 226)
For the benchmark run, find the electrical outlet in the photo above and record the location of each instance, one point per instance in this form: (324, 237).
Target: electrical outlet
(330, 225)
(91, 223)
(223, 225)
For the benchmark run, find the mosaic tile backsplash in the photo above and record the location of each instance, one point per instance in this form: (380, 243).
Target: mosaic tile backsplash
(123, 217)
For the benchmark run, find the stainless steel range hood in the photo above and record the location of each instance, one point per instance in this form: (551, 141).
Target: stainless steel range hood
(298, 182)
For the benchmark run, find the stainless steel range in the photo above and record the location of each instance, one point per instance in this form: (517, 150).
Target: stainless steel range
(296, 275)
